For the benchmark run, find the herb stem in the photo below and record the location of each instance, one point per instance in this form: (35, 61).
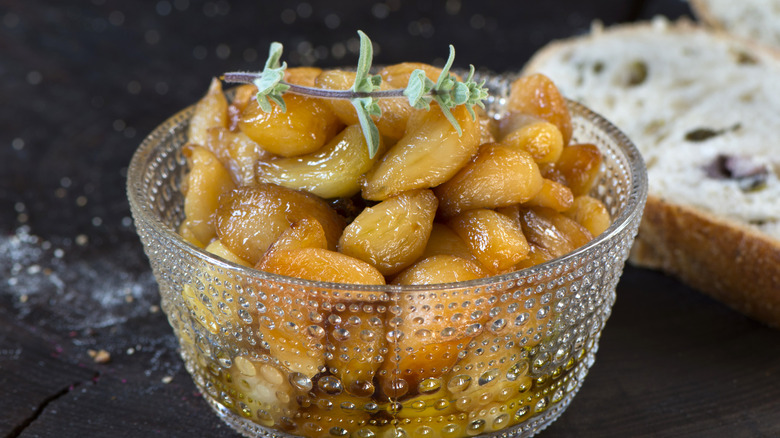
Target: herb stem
(248, 78)
(343, 94)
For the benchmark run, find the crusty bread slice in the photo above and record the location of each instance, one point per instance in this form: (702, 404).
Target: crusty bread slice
(757, 20)
(704, 110)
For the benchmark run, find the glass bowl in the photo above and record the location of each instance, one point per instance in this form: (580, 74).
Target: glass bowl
(278, 357)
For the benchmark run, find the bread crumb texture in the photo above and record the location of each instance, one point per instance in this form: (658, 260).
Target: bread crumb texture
(702, 107)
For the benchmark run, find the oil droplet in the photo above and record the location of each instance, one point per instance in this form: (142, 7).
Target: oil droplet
(300, 382)
(517, 370)
(423, 333)
(488, 376)
(394, 335)
(459, 383)
(451, 431)
(291, 327)
(394, 408)
(367, 335)
(525, 384)
(245, 366)
(418, 406)
(501, 421)
(340, 334)
(522, 412)
(497, 325)
(287, 423)
(396, 388)
(571, 385)
(541, 361)
(505, 394)
(560, 354)
(312, 428)
(361, 388)
(463, 403)
(541, 404)
(485, 398)
(330, 385)
(315, 317)
(267, 322)
(338, 431)
(271, 374)
(473, 329)
(423, 432)
(429, 386)
(364, 433)
(283, 396)
(476, 427)
(245, 316)
(265, 418)
(315, 331)
(224, 361)
(441, 404)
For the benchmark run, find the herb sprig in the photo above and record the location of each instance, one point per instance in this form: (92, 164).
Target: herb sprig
(448, 92)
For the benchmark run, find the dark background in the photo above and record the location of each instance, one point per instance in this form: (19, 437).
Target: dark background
(82, 83)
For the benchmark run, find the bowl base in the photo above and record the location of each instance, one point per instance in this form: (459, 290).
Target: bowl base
(526, 429)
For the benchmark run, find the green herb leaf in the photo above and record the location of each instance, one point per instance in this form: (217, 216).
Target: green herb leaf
(445, 78)
(366, 106)
(418, 90)
(445, 109)
(364, 81)
(477, 93)
(269, 84)
(443, 91)
(460, 94)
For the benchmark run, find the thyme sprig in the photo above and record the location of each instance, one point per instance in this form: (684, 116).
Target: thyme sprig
(448, 92)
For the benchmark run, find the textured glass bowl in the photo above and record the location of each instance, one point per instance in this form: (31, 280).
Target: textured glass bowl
(277, 356)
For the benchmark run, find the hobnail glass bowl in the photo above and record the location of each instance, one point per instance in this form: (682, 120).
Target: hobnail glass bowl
(277, 356)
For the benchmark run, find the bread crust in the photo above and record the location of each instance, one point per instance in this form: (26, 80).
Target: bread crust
(732, 263)
(703, 14)
(681, 27)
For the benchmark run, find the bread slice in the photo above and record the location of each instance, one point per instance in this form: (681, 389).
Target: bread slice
(757, 20)
(704, 110)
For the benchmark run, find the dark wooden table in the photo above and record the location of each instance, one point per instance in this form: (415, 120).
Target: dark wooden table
(81, 83)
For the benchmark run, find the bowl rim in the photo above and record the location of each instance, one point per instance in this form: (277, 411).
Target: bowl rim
(636, 198)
